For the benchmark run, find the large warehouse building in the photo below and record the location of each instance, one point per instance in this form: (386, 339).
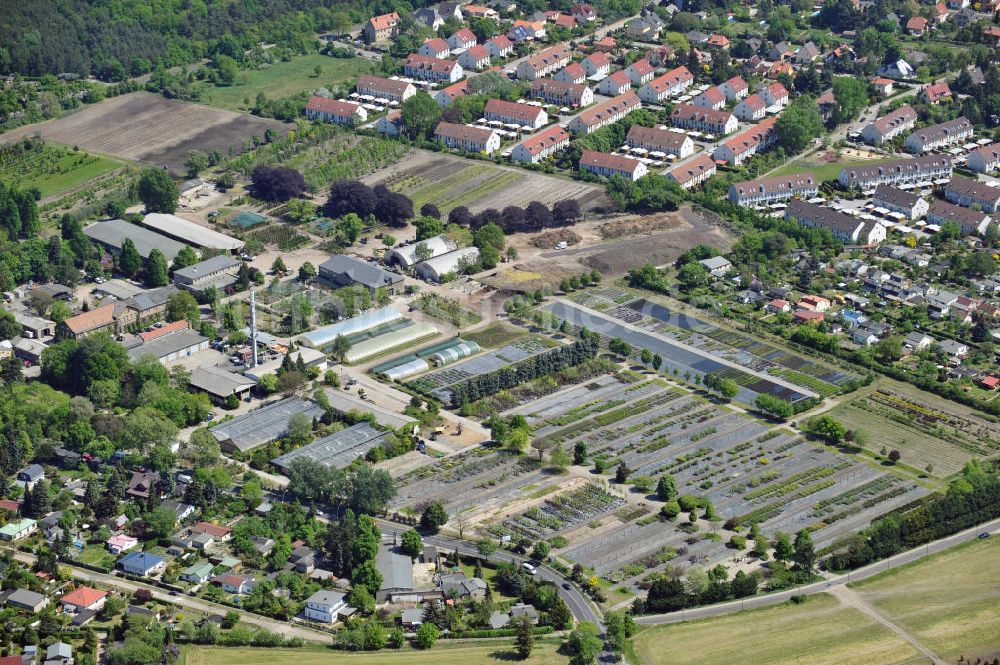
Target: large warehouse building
(336, 450)
(262, 426)
(183, 230)
(111, 235)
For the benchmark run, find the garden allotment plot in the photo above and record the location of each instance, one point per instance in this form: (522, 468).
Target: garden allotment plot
(747, 469)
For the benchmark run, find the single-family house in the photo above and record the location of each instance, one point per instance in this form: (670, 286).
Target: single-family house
(716, 266)
(83, 598)
(934, 93)
(142, 564)
(120, 543)
(324, 606)
(27, 600)
(18, 529)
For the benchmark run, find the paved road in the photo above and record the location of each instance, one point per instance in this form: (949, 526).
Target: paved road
(274, 625)
(825, 585)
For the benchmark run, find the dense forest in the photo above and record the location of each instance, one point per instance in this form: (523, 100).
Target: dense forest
(116, 38)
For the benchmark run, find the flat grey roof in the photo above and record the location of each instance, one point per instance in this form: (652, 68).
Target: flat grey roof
(169, 343)
(118, 288)
(218, 381)
(344, 403)
(336, 450)
(207, 267)
(263, 425)
(113, 232)
(194, 234)
(396, 569)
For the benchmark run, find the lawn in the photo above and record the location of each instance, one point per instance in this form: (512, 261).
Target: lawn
(495, 335)
(442, 654)
(949, 602)
(50, 167)
(284, 79)
(824, 170)
(819, 632)
(96, 555)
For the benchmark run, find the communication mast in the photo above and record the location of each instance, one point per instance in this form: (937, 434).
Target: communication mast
(253, 325)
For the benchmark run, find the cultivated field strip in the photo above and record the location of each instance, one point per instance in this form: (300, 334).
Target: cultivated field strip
(449, 181)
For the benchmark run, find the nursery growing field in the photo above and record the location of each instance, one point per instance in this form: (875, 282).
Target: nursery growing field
(744, 468)
(323, 153)
(52, 169)
(925, 429)
(820, 632)
(148, 128)
(948, 601)
(449, 182)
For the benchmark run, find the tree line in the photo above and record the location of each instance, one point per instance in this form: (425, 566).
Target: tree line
(484, 385)
(972, 499)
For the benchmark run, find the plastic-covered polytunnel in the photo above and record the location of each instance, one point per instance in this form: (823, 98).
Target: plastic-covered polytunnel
(462, 349)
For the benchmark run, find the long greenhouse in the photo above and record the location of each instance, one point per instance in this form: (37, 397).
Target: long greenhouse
(322, 337)
(389, 341)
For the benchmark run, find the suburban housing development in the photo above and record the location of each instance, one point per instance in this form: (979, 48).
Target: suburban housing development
(461, 333)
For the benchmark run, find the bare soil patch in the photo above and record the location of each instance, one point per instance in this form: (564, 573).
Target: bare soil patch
(550, 239)
(147, 128)
(632, 240)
